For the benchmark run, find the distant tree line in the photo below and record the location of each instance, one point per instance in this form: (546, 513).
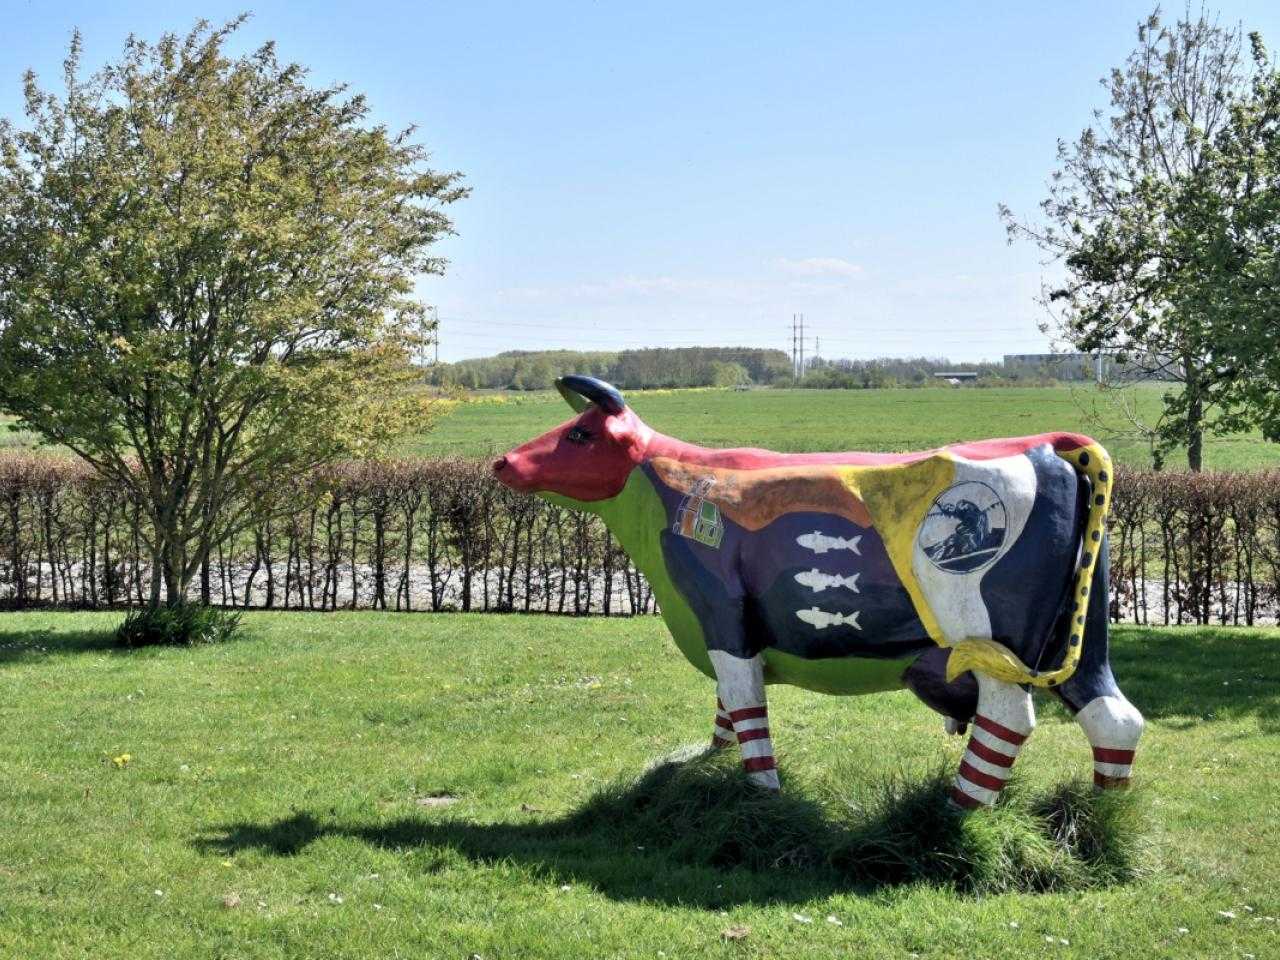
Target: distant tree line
(633, 369)
(885, 372)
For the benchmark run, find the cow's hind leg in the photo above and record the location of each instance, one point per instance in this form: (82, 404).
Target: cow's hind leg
(1004, 720)
(741, 686)
(1112, 724)
(722, 732)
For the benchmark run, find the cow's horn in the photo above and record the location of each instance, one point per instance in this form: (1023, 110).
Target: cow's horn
(580, 392)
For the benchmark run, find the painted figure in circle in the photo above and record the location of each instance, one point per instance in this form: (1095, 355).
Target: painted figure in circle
(967, 574)
(971, 529)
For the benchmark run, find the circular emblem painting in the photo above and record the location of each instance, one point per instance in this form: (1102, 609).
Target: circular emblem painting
(964, 528)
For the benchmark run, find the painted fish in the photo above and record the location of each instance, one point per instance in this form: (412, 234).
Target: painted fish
(817, 581)
(821, 543)
(820, 619)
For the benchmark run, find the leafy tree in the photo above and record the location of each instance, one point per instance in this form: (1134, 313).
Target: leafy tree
(1118, 219)
(729, 374)
(1234, 216)
(206, 269)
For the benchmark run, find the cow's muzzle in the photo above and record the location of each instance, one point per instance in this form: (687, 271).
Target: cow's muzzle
(508, 471)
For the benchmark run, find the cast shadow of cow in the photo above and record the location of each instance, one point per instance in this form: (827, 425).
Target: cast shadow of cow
(690, 832)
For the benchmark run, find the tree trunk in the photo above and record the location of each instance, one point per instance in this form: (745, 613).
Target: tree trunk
(1195, 418)
(173, 563)
(1195, 446)
(157, 564)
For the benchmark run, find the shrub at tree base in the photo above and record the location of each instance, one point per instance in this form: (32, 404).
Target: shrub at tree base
(179, 624)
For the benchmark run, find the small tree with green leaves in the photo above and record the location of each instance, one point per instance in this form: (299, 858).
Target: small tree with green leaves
(206, 277)
(1233, 235)
(1123, 220)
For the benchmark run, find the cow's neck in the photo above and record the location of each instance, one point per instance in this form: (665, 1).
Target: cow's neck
(670, 448)
(637, 517)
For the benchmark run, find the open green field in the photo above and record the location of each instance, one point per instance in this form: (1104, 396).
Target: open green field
(892, 420)
(278, 799)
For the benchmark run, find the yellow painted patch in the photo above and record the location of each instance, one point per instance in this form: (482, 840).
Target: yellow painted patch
(898, 496)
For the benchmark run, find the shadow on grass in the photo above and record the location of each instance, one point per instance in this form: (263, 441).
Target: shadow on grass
(1200, 672)
(25, 645)
(693, 832)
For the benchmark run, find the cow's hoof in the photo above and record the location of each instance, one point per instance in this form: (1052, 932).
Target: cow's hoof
(954, 727)
(1102, 782)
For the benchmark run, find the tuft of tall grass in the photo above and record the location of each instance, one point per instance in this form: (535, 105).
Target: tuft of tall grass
(700, 810)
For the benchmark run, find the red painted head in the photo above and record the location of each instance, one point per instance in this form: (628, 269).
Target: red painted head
(587, 458)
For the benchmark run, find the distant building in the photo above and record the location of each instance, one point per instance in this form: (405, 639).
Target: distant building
(1061, 366)
(1083, 366)
(956, 377)
(1047, 359)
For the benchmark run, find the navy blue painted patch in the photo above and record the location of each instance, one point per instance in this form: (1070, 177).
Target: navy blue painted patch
(718, 605)
(1093, 677)
(811, 584)
(822, 586)
(1024, 592)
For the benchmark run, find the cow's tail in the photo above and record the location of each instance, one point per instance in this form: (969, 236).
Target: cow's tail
(998, 661)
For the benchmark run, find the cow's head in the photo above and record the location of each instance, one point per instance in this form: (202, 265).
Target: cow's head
(585, 459)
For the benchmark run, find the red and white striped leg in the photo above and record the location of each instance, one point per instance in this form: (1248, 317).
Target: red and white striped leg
(741, 685)
(1004, 720)
(722, 734)
(1113, 726)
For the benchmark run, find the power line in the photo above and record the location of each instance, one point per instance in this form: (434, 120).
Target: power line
(692, 327)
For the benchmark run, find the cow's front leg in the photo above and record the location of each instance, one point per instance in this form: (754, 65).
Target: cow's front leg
(722, 733)
(1004, 720)
(741, 685)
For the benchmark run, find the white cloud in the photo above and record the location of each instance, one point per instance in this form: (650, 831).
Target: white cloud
(631, 288)
(820, 267)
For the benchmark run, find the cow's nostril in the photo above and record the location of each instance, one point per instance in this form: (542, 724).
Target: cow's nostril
(500, 464)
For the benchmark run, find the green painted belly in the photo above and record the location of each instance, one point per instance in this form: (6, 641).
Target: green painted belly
(844, 676)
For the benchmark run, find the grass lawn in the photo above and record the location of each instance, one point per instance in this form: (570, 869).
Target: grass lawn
(277, 800)
(892, 420)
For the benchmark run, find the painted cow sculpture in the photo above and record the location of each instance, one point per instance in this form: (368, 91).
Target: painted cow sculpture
(968, 574)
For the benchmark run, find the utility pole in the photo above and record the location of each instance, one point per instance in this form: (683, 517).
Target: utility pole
(435, 340)
(1098, 366)
(795, 370)
(802, 346)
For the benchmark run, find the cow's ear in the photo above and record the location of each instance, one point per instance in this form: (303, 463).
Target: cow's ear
(580, 392)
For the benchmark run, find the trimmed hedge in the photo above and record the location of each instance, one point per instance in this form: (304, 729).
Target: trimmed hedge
(441, 535)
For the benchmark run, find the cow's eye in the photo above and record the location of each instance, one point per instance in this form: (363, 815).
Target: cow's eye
(578, 435)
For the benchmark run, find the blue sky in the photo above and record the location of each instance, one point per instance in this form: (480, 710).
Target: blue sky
(650, 174)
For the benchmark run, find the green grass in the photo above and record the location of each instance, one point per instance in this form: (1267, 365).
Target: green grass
(892, 420)
(293, 772)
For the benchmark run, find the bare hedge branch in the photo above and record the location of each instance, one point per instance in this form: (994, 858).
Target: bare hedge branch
(441, 535)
